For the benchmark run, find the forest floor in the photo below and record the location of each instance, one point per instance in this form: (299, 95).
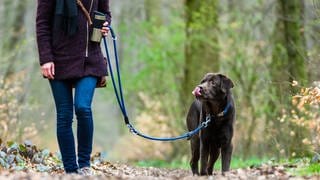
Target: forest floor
(107, 170)
(26, 161)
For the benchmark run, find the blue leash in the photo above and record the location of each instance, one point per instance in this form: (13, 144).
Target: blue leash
(120, 99)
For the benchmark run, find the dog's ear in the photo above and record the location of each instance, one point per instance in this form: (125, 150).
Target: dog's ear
(226, 83)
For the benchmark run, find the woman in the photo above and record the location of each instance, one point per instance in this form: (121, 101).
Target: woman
(70, 60)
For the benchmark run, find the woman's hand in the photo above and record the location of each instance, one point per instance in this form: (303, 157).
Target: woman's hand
(47, 70)
(105, 29)
(102, 82)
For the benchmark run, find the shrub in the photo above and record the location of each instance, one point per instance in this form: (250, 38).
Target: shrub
(300, 126)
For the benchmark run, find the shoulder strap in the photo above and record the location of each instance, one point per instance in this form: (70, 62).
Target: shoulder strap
(85, 11)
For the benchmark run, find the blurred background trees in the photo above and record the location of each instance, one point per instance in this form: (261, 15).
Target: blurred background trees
(289, 48)
(269, 49)
(201, 45)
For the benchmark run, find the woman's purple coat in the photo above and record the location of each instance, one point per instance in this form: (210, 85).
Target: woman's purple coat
(74, 56)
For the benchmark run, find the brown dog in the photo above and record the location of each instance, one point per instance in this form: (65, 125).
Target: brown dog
(213, 97)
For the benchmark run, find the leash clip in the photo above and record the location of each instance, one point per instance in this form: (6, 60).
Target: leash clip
(132, 130)
(206, 123)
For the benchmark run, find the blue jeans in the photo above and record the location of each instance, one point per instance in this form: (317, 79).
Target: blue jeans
(83, 94)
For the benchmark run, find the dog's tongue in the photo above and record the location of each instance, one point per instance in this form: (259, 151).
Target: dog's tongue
(196, 91)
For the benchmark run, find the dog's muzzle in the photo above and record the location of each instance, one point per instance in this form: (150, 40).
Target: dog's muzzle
(197, 91)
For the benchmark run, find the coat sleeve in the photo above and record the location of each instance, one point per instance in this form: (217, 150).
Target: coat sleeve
(104, 8)
(44, 22)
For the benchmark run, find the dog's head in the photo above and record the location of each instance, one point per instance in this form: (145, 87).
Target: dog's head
(213, 87)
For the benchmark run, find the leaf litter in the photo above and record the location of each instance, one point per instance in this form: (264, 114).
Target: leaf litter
(26, 161)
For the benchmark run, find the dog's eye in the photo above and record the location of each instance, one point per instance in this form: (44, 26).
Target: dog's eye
(213, 83)
(203, 81)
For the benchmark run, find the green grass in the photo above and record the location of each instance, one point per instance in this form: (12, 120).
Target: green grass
(311, 169)
(241, 163)
(303, 166)
(184, 164)
(163, 164)
(300, 166)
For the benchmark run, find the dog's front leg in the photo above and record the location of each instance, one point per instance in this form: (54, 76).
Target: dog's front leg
(204, 154)
(195, 149)
(214, 154)
(226, 153)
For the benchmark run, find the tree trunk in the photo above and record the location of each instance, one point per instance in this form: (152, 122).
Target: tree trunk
(201, 49)
(15, 32)
(288, 62)
(288, 59)
(152, 10)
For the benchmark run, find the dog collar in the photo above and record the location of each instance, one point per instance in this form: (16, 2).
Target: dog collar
(208, 117)
(225, 111)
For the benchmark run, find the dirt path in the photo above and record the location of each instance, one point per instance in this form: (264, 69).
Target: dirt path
(122, 171)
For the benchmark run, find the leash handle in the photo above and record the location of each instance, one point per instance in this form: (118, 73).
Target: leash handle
(113, 34)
